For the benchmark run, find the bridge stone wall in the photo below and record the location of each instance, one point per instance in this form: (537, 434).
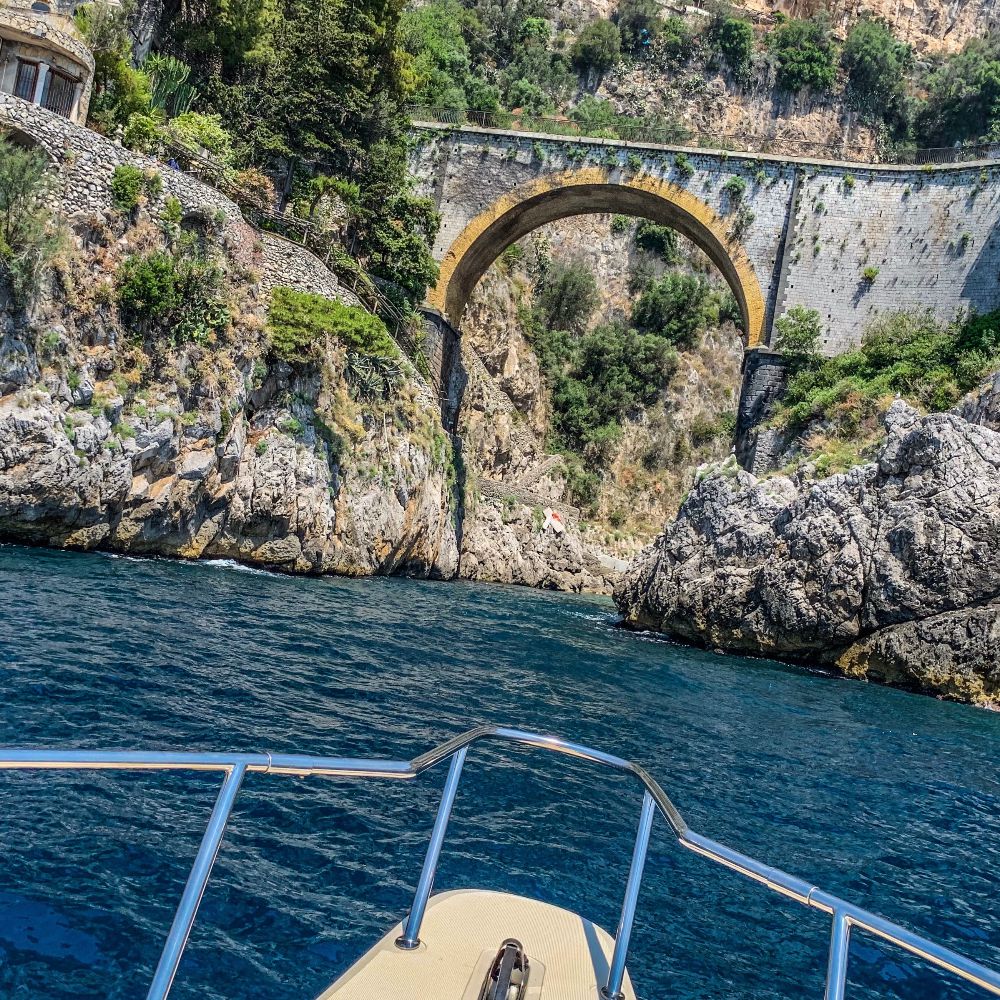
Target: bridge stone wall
(932, 234)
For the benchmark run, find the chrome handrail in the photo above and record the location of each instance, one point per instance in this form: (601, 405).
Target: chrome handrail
(845, 915)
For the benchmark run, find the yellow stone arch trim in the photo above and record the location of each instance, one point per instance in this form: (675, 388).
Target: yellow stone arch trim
(570, 192)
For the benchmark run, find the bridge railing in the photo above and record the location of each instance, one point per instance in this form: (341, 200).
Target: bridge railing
(633, 130)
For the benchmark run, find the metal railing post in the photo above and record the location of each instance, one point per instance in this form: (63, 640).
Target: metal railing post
(840, 943)
(616, 974)
(194, 889)
(410, 937)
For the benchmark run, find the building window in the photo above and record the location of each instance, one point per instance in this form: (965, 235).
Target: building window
(27, 78)
(59, 94)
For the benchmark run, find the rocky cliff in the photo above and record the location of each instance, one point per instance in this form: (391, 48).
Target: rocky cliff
(888, 572)
(122, 436)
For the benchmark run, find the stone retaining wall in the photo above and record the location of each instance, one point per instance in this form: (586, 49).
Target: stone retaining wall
(86, 162)
(493, 490)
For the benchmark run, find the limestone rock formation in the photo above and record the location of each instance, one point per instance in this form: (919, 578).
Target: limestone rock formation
(882, 570)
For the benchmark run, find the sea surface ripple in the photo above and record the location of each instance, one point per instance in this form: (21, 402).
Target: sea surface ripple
(890, 799)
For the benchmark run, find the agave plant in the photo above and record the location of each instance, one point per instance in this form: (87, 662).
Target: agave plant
(372, 376)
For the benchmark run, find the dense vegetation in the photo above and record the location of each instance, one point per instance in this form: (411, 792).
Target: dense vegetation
(600, 375)
(522, 59)
(838, 401)
(303, 94)
(299, 322)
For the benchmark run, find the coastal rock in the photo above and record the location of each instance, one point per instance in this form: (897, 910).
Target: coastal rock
(815, 569)
(512, 545)
(955, 654)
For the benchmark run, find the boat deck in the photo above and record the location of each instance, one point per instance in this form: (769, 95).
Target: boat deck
(460, 935)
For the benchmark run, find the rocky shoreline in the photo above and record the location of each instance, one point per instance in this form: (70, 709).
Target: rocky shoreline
(888, 572)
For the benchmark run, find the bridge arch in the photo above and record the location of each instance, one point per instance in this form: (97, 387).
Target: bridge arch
(585, 191)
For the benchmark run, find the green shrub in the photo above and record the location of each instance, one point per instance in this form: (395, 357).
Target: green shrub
(172, 212)
(683, 166)
(142, 133)
(179, 296)
(876, 65)
(735, 188)
(620, 224)
(127, 184)
(806, 54)
(732, 39)
(675, 42)
(909, 354)
(298, 322)
(661, 240)
(674, 308)
(147, 286)
(639, 24)
(568, 296)
(196, 132)
(963, 96)
(797, 335)
(597, 48)
(595, 116)
(869, 274)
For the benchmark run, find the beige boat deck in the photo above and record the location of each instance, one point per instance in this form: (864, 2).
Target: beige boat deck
(461, 934)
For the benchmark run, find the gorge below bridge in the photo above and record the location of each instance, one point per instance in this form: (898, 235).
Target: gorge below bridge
(850, 240)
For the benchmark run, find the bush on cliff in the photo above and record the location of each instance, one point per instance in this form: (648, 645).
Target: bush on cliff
(597, 49)
(568, 296)
(732, 39)
(806, 55)
(177, 295)
(597, 379)
(876, 64)
(908, 354)
(675, 308)
(963, 96)
(299, 323)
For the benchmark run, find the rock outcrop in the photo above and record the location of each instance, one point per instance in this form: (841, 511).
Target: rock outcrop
(888, 571)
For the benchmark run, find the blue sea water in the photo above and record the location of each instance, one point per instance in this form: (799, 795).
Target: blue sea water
(890, 799)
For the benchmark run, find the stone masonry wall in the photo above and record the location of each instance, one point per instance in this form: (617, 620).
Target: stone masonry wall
(933, 234)
(87, 161)
(765, 376)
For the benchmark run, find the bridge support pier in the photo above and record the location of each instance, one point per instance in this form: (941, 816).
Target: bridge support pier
(442, 346)
(765, 376)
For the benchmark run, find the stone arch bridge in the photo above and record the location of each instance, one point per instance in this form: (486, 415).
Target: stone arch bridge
(849, 240)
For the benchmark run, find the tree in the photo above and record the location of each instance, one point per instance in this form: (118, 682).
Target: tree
(597, 49)
(963, 96)
(876, 64)
(639, 22)
(119, 90)
(568, 296)
(433, 37)
(675, 308)
(806, 54)
(29, 237)
(661, 240)
(732, 38)
(797, 336)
